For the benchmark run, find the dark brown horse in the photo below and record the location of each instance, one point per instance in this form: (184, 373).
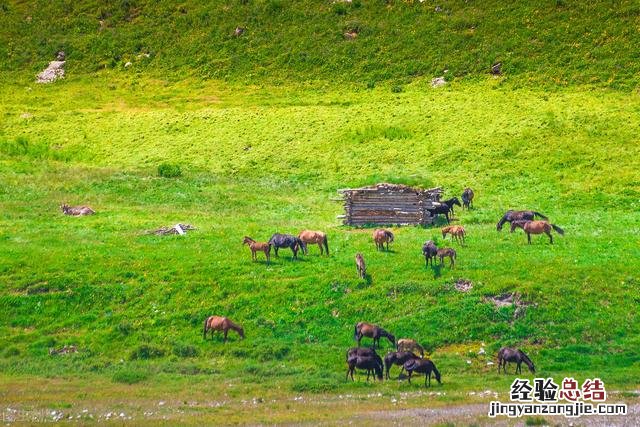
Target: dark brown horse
(397, 358)
(429, 250)
(279, 240)
(380, 237)
(516, 356)
(512, 215)
(536, 227)
(223, 324)
(314, 237)
(363, 329)
(360, 266)
(257, 246)
(369, 361)
(467, 198)
(422, 366)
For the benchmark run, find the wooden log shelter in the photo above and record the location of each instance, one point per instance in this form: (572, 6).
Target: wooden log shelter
(389, 204)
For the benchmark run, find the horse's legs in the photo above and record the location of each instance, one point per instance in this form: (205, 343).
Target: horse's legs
(226, 331)
(276, 249)
(359, 339)
(529, 237)
(452, 262)
(410, 372)
(425, 379)
(550, 236)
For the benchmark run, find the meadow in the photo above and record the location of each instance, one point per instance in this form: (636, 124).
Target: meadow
(265, 130)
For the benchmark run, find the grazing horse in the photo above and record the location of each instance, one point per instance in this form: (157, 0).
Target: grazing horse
(363, 329)
(512, 215)
(407, 344)
(429, 250)
(360, 351)
(447, 252)
(397, 358)
(380, 237)
(536, 227)
(457, 233)
(422, 366)
(219, 323)
(516, 356)
(76, 210)
(444, 208)
(257, 246)
(360, 266)
(467, 198)
(287, 241)
(312, 237)
(370, 363)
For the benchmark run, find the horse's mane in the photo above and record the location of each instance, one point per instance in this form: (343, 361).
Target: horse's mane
(526, 359)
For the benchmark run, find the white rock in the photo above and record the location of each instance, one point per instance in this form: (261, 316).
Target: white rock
(128, 64)
(438, 82)
(53, 72)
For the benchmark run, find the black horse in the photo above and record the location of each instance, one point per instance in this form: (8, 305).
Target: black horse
(422, 366)
(397, 358)
(516, 356)
(512, 215)
(369, 362)
(287, 241)
(430, 251)
(445, 208)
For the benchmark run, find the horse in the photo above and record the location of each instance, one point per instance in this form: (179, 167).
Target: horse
(287, 241)
(447, 252)
(451, 202)
(371, 363)
(361, 268)
(360, 351)
(363, 329)
(257, 246)
(512, 215)
(76, 210)
(422, 366)
(219, 323)
(457, 232)
(407, 344)
(308, 236)
(397, 358)
(516, 356)
(467, 198)
(429, 250)
(444, 208)
(536, 227)
(380, 237)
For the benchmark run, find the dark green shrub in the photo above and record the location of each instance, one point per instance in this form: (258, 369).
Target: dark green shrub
(184, 350)
(169, 170)
(127, 376)
(11, 352)
(146, 351)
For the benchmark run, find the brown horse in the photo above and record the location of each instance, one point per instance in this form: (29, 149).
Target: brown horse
(380, 237)
(447, 252)
(516, 356)
(369, 362)
(407, 344)
(360, 266)
(363, 329)
(536, 227)
(512, 215)
(219, 323)
(76, 210)
(457, 232)
(308, 236)
(258, 246)
(467, 198)
(422, 366)
(397, 358)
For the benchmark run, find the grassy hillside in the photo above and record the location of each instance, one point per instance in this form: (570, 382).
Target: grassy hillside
(557, 42)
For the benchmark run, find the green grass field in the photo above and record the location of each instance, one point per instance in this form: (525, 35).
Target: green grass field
(265, 153)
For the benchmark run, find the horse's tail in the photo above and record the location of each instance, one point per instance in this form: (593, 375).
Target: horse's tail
(302, 245)
(355, 332)
(389, 235)
(538, 214)
(204, 329)
(325, 243)
(559, 230)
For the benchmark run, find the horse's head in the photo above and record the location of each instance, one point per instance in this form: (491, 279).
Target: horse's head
(64, 207)
(455, 201)
(241, 332)
(437, 374)
(247, 240)
(445, 230)
(302, 245)
(392, 339)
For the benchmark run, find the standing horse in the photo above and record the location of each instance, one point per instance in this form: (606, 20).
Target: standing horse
(287, 241)
(257, 246)
(457, 233)
(380, 237)
(407, 344)
(429, 250)
(447, 252)
(312, 237)
(219, 323)
(360, 266)
(536, 227)
(370, 363)
(512, 215)
(76, 210)
(516, 356)
(422, 366)
(444, 208)
(363, 329)
(467, 198)
(452, 202)
(397, 358)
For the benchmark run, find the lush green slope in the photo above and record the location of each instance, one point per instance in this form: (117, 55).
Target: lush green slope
(548, 42)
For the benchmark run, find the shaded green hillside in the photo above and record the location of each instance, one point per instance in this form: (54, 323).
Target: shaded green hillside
(550, 42)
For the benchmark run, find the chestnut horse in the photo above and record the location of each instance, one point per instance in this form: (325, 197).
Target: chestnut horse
(308, 236)
(447, 252)
(516, 356)
(422, 366)
(407, 344)
(76, 210)
(536, 227)
(467, 198)
(457, 232)
(363, 329)
(257, 246)
(512, 215)
(360, 266)
(380, 237)
(219, 323)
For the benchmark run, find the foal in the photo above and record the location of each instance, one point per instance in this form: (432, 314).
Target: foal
(380, 237)
(219, 323)
(457, 232)
(361, 268)
(447, 252)
(257, 246)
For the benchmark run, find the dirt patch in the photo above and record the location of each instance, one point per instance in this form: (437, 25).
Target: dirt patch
(510, 299)
(176, 229)
(463, 285)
